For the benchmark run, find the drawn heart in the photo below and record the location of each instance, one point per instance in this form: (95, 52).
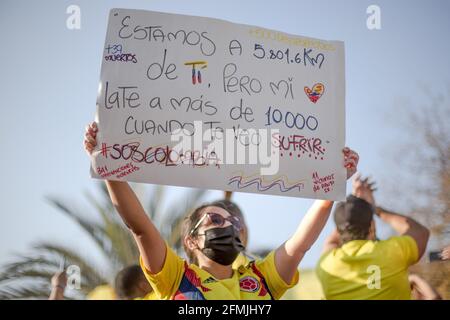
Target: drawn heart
(316, 92)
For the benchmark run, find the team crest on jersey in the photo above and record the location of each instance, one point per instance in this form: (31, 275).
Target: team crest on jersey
(249, 284)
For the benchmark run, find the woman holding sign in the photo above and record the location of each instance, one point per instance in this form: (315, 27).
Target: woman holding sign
(211, 239)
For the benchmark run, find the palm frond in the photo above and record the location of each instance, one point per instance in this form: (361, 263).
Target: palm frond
(181, 208)
(122, 242)
(25, 292)
(155, 201)
(34, 274)
(29, 276)
(94, 230)
(24, 267)
(172, 224)
(88, 270)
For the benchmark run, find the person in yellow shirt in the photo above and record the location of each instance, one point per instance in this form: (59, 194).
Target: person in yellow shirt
(102, 292)
(211, 240)
(131, 284)
(355, 264)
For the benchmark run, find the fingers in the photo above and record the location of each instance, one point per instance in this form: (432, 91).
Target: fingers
(90, 137)
(351, 159)
(89, 141)
(89, 148)
(350, 163)
(445, 254)
(92, 129)
(350, 155)
(372, 186)
(62, 275)
(356, 183)
(365, 183)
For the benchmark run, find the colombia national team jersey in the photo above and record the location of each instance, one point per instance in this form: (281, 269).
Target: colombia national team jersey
(178, 280)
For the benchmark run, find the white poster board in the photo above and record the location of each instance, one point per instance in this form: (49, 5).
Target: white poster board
(247, 85)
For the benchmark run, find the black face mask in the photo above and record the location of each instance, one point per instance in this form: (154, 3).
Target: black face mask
(222, 245)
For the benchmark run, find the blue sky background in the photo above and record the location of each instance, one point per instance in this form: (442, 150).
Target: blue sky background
(49, 79)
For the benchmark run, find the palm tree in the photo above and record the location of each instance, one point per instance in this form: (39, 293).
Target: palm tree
(28, 277)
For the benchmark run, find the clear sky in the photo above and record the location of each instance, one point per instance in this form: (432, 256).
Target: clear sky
(49, 80)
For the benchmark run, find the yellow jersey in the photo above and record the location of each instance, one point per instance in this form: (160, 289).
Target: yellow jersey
(178, 280)
(149, 296)
(366, 270)
(243, 259)
(103, 292)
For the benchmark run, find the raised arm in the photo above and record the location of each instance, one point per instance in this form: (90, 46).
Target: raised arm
(421, 289)
(59, 282)
(363, 189)
(332, 241)
(150, 243)
(406, 226)
(290, 253)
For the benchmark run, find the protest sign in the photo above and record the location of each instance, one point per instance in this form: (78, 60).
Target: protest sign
(201, 102)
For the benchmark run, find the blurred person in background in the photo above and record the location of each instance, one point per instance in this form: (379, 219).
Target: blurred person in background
(130, 284)
(355, 264)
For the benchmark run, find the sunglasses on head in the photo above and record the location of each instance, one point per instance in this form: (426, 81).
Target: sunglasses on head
(217, 220)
